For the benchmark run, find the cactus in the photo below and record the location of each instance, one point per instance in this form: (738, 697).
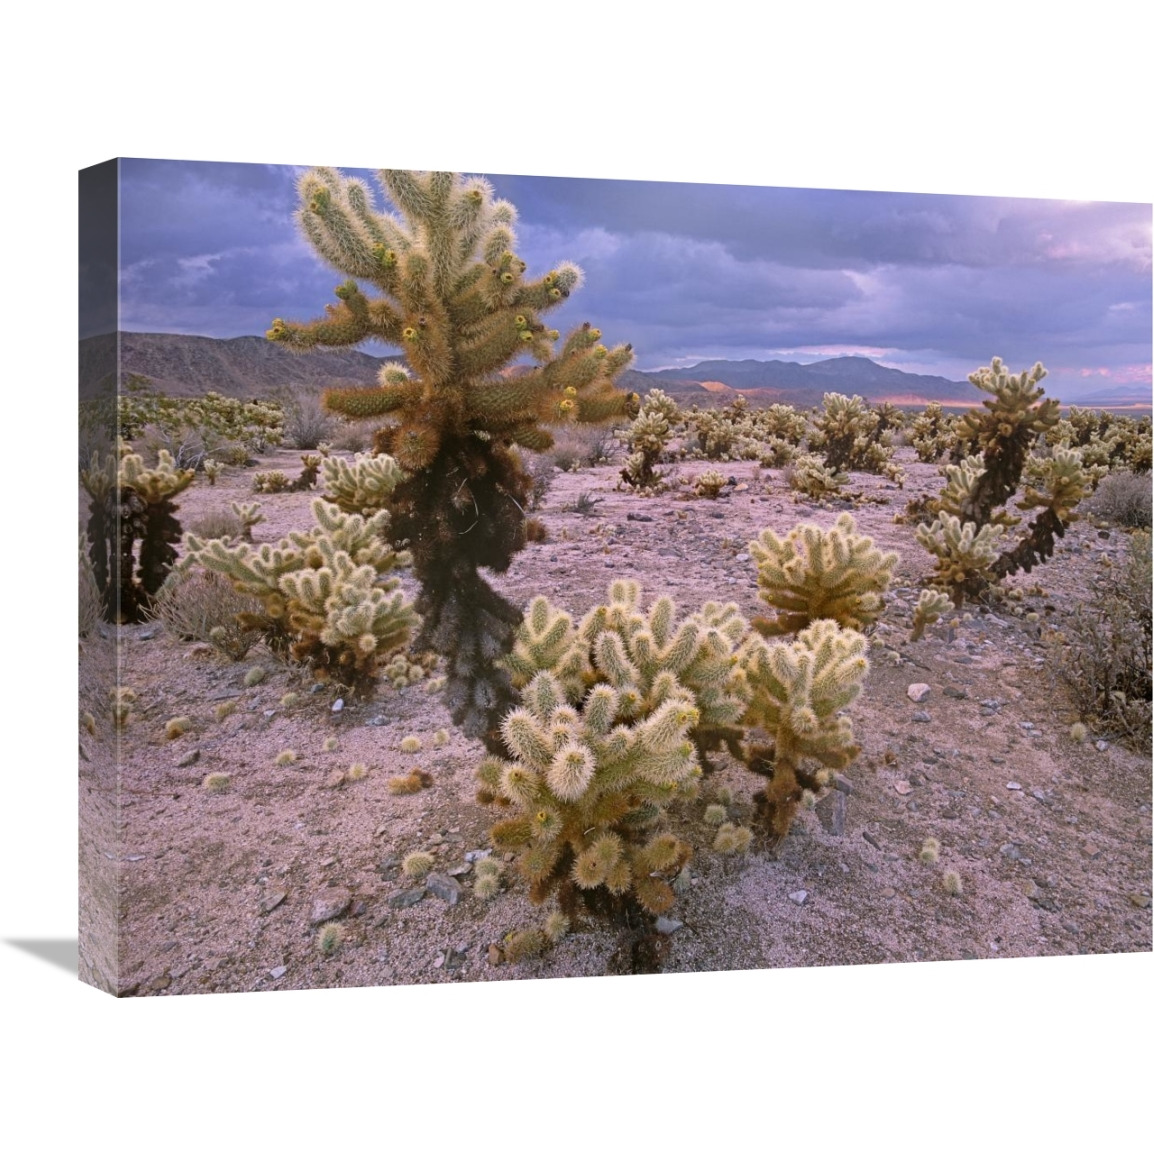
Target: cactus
(972, 512)
(932, 433)
(212, 470)
(851, 435)
(709, 484)
(807, 474)
(646, 438)
(418, 864)
(330, 596)
(132, 529)
(810, 574)
(598, 747)
(250, 516)
(450, 291)
(272, 481)
(798, 692)
(363, 485)
(932, 603)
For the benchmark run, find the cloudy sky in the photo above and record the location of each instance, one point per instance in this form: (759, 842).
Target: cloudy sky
(925, 283)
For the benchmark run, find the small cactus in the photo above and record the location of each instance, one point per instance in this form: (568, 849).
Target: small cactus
(330, 744)
(217, 782)
(409, 783)
(952, 883)
(418, 864)
(732, 839)
(410, 744)
(357, 771)
(329, 938)
(930, 850)
(254, 677)
(177, 726)
(285, 757)
(224, 709)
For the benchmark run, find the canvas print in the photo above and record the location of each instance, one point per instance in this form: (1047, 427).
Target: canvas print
(492, 577)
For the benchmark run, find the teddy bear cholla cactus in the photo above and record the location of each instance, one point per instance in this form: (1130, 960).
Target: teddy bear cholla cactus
(798, 692)
(330, 597)
(971, 511)
(362, 485)
(450, 291)
(647, 437)
(604, 740)
(131, 503)
(811, 573)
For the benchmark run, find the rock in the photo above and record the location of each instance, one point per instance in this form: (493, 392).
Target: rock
(889, 892)
(1142, 901)
(922, 715)
(190, 758)
(637, 517)
(444, 887)
(1012, 785)
(335, 779)
(495, 956)
(871, 839)
(338, 705)
(459, 870)
(278, 971)
(798, 897)
(1101, 746)
(842, 784)
(956, 694)
(329, 904)
(903, 787)
(918, 692)
(271, 900)
(831, 812)
(407, 898)
(475, 855)
(665, 925)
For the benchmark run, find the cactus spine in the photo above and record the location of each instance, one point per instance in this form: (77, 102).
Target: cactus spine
(450, 291)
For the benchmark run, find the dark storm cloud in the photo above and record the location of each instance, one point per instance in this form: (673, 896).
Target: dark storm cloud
(932, 283)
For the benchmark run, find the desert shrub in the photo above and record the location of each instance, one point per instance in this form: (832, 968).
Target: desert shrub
(1123, 498)
(196, 605)
(306, 423)
(579, 446)
(350, 437)
(540, 469)
(219, 523)
(1103, 651)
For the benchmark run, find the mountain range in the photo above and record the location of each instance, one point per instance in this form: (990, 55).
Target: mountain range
(251, 366)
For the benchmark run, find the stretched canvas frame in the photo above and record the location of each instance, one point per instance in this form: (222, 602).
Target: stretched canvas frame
(339, 860)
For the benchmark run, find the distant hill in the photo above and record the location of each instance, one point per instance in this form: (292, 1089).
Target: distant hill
(252, 366)
(790, 383)
(239, 367)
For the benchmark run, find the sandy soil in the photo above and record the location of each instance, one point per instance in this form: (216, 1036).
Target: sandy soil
(224, 892)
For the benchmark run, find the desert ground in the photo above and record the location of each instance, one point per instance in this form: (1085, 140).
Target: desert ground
(1051, 837)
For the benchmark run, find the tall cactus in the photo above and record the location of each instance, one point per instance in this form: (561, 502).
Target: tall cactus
(451, 292)
(132, 529)
(972, 511)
